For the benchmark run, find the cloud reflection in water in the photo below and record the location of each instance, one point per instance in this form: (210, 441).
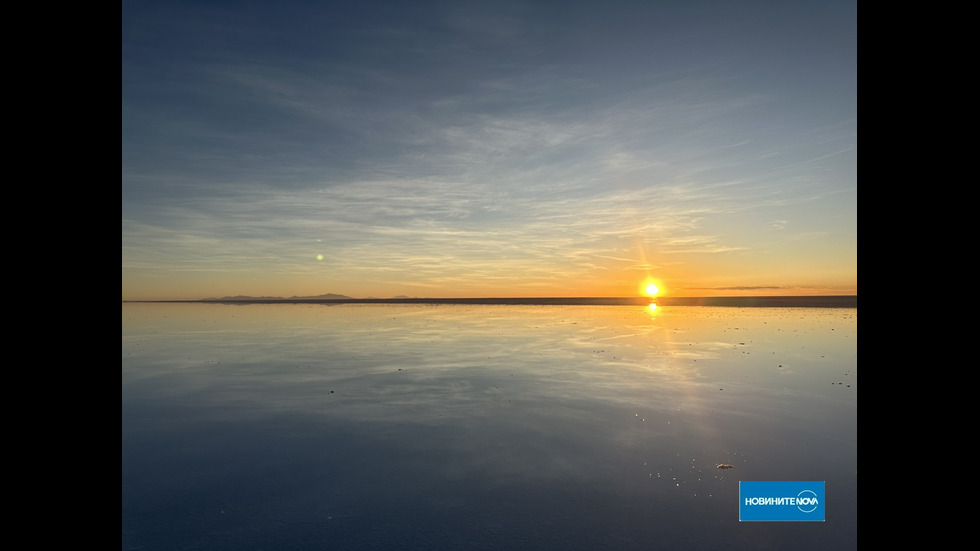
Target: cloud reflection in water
(487, 427)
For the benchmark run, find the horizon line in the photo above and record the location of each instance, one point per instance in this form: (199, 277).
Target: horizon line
(833, 301)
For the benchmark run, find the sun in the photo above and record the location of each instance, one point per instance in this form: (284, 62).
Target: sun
(651, 289)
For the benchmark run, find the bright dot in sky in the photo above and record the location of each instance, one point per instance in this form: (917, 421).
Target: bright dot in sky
(651, 289)
(319, 257)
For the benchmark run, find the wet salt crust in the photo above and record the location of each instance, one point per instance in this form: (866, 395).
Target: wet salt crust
(482, 427)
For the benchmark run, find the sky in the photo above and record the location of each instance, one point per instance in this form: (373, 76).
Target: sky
(488, 149)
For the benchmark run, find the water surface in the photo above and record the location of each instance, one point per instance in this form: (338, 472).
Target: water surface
(414, 426)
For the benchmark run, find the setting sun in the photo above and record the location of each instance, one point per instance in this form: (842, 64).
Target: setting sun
(651, 289)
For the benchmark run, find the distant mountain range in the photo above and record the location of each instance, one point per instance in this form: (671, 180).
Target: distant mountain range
(327, 296)
(815, 301)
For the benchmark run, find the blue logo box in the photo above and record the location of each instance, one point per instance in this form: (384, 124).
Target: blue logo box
(792, 501)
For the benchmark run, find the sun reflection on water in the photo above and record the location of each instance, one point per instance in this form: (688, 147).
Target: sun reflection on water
(651, 309)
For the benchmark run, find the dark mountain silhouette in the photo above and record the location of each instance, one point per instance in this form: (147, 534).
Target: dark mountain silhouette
(815, 301)
(327, 296)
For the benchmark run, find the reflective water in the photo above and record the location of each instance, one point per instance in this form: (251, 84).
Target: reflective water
(481, 427)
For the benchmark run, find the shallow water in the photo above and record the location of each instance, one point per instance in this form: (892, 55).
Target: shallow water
(482, 427)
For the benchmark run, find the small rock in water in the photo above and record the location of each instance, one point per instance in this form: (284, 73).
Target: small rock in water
(724, 466)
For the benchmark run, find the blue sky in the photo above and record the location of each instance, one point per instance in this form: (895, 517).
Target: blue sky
(498, 148)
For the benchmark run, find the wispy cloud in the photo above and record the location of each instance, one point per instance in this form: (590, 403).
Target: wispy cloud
(435, 147)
